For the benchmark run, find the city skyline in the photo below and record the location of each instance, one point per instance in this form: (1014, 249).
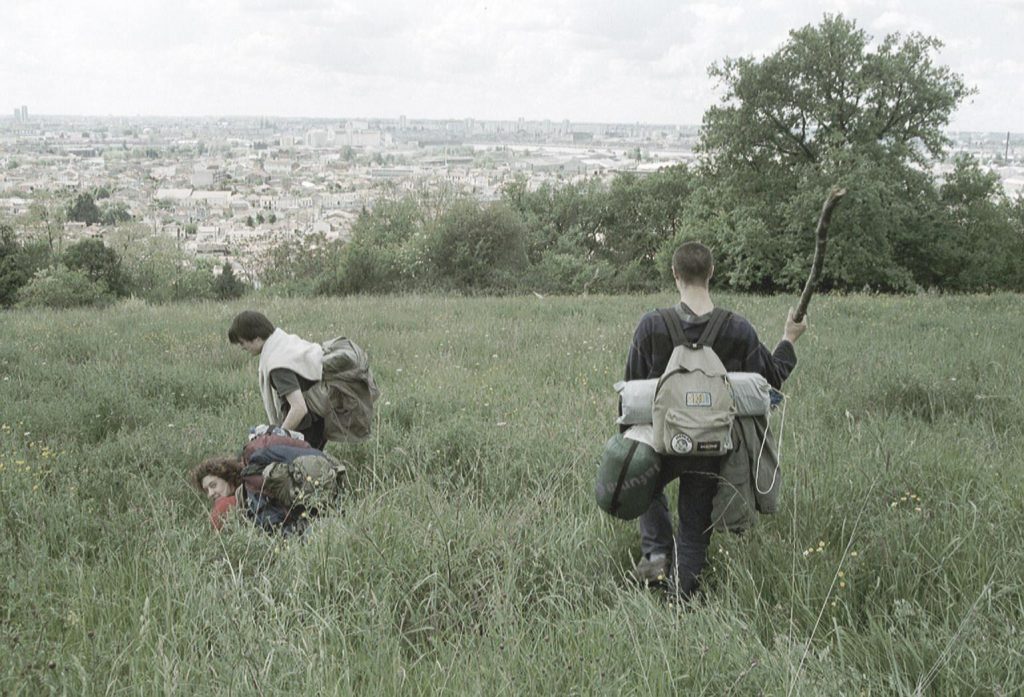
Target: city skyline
(592, 63)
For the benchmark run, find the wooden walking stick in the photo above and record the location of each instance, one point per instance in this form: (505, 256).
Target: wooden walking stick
(821, 238)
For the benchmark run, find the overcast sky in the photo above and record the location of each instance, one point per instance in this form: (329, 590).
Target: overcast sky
(584, 60)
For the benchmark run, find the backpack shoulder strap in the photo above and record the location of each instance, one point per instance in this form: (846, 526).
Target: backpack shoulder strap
(719, 318)
(674, 324)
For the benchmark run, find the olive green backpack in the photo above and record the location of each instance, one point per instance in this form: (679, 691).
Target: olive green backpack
(693, 405)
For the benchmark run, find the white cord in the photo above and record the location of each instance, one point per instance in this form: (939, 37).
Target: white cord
(778, 451)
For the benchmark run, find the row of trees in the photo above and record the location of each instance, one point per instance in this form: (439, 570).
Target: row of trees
(90, 273)
(828, 108)
(587, 236)
(959, 236)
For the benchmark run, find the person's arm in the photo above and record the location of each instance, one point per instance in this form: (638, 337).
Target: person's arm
(793, 329)
(775, 365)
(297, 410)
(286, 384)
(638, 361)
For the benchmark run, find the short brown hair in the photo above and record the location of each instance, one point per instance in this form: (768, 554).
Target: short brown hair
(227, 468)
(692, 262)
(248, 326)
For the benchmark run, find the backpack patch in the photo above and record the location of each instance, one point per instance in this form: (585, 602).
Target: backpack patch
(698, 399)
(681, 444)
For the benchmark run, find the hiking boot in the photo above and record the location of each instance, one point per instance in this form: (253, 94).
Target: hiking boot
(652, 569)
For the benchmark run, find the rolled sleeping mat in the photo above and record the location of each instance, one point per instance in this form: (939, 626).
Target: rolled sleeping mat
(628, 473)
(636, 398)
(750, 392)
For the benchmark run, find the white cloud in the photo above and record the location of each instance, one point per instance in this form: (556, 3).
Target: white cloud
(600, 60)
(892, 21)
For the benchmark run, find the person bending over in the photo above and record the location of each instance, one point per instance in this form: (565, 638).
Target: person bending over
(288, 367)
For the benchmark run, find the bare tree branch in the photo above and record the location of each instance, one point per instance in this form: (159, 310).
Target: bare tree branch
(821, 239)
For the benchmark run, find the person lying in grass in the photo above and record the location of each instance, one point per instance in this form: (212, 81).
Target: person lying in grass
(219, 478)
(279, 483)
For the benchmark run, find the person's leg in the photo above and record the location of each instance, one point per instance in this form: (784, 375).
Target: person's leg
(656, 528)
(314, 432)
(697, 486)
(656, 533)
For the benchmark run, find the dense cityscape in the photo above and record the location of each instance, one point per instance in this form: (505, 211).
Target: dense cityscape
(230, 188)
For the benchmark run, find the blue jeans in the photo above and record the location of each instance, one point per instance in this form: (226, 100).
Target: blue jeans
(698, 483)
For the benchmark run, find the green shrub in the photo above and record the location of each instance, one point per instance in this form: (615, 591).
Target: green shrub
(476, 247)
(298, 267)
(363, 268)
(194, 283)
(63, 288)
(562, 273)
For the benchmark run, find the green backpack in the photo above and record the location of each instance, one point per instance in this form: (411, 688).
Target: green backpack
(693, 405)
(346, 392)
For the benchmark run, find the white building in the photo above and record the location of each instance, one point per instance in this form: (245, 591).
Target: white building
(373, 139)
(316, 138)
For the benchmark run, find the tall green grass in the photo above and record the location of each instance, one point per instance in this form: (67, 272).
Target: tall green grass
(471, 558)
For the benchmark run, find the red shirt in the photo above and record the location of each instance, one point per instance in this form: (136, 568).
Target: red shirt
(221, 507)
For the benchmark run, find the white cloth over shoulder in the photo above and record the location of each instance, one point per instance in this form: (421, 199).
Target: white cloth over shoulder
(284, 350)
(641, 433)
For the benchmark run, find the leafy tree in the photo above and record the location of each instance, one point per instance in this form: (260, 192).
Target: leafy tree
(194, 283)
(250, 222)
(227, 286)
(114, 214)
(386, 253)
(565, 219)
(826, 108)
(985, 241)
(641, 212)
(826, 90)
(152, 264)
(99, 262)
(84, 210)
(13, 274)
(45, 220)
(364, 268)
(575, 231)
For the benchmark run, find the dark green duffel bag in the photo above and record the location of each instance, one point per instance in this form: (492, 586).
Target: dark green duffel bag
(627, 477)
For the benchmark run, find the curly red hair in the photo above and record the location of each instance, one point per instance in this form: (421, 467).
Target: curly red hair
(227, 468)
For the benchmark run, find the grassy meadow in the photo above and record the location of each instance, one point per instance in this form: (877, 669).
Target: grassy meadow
(471, 558)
